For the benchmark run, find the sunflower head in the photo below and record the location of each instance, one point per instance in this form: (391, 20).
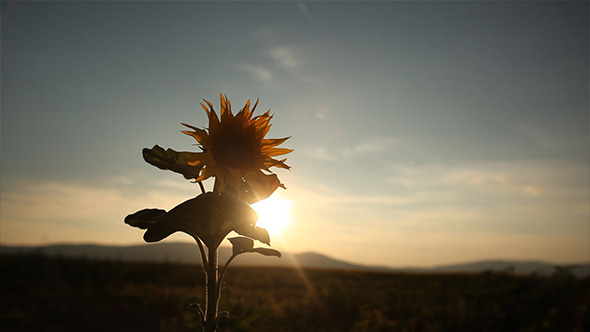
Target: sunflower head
(236, 152)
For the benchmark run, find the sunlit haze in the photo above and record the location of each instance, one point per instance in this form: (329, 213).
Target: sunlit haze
(274, 215)
(425, 133)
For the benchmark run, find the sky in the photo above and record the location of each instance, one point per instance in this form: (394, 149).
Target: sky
(425, 133)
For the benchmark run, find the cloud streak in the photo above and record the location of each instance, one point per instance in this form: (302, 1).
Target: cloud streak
(303, 9)
(375, 146)
(262, 74)
(464, 209)
(415, 230)
(280, 61)
(52, 211)
(285, 57)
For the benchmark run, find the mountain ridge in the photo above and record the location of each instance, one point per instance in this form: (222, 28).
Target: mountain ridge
(181, 252)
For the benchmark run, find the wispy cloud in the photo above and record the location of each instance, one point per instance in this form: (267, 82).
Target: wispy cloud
(532, 190)
(370, 146)
(303, 9)
(263, 74)
(319, 153)
(454, 213)
(54, 211)
(281, 60)
(285, 56)
(475, 176)
(518, 183)
(367, 146)
(429, 175)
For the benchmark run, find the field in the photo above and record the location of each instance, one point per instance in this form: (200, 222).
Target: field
(40, 293)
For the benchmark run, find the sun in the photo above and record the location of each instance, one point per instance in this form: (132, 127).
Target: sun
(274, 214)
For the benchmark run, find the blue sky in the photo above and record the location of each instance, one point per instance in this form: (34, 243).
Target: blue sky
(424, 132)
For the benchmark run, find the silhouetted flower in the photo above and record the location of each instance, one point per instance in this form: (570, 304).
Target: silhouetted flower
(236, 153)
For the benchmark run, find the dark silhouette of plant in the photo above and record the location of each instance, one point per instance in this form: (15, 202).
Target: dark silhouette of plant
(235, 152)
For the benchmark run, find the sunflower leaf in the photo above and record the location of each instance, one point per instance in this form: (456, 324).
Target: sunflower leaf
(145, 218)
(267, 252)
(209, 217)
(257, 233)
(241, 244)
(172, 160)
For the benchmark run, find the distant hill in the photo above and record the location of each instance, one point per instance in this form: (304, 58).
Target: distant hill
(179, 253)
(189, 253)
(524, 267)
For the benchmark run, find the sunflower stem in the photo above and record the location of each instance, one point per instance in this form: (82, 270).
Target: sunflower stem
(212, 294)
(223, 269)
(203, 254)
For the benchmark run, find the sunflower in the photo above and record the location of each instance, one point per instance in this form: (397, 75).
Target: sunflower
(236, 152)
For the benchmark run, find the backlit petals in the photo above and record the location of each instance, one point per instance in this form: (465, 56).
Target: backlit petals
(234, 148)
(278, 151)
(275, 141)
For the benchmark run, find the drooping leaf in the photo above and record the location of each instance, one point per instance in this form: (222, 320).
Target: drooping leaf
(257, 233)
(267, 252)
(172, 160)
(241, 244)
(144, 218)
(210, 217)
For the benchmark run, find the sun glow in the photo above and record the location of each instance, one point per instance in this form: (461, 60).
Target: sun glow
(274, 213)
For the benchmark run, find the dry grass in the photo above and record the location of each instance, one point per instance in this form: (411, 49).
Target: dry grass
(52, 294)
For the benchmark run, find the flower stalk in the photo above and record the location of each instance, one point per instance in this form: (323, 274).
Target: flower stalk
(212, 294)
(235, 152)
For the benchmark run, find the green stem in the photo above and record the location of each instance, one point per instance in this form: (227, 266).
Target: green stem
(212, 303)
(223, 269)
(203, 254)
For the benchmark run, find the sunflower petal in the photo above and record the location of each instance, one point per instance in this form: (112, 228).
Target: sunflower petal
(245, 114)
(208, 104)
(226, 113)
(261, 122)
(255, 104)
(276, 163)
(205, 107)
(277, 151)
(274, 141)
(212, 116)
(199, 134)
